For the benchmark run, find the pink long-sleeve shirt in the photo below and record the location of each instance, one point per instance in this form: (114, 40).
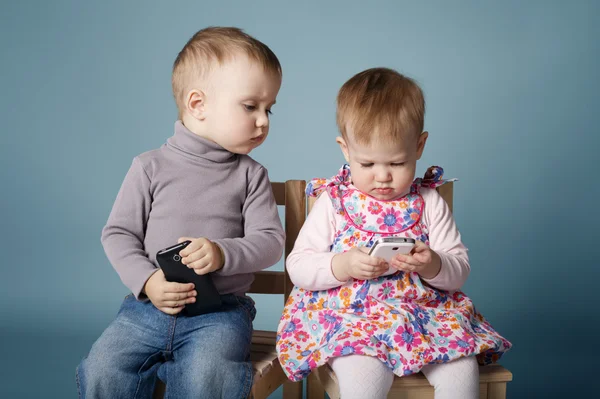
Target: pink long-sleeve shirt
(309, 263)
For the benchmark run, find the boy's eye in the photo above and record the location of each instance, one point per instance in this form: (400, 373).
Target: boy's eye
(366, 165)
(397, 164)
(249, 107)
(269, 112)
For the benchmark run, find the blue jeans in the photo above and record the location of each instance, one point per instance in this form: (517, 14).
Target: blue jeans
(206, 356)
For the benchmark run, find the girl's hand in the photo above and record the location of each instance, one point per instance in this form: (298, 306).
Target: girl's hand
(168, 297)
(358, 264)
(202, 255)
(422, 260)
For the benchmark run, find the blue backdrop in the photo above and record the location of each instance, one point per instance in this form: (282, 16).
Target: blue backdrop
(512, 96)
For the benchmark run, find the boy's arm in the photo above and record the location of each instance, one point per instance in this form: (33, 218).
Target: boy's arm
(264, 238)
(123, 235)
(309, 263)
(445, 240)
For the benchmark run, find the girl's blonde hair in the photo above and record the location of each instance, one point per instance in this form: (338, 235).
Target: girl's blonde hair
(380, 103)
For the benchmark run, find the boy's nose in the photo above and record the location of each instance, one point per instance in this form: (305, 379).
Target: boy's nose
(262, 121)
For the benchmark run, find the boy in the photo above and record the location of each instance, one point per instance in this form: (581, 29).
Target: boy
(200, 186)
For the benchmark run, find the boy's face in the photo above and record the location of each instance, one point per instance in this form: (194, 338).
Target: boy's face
(239, 97)
(382, 170)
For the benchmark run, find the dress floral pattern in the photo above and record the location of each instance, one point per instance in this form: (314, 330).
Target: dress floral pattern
(398, 319)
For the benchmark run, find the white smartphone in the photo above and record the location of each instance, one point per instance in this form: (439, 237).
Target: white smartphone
(388, 247)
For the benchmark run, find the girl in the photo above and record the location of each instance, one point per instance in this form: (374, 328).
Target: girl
(369, 319)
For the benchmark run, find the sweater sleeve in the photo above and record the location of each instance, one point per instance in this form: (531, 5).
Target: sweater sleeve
(123, 235)
(309, 263)
(264, 238)
(445, 240)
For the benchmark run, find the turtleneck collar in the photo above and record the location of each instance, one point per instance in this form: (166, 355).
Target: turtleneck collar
(194, 146)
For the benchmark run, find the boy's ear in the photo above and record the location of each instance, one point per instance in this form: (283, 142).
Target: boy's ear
(421, 144)
(195, 102)
(343, 147)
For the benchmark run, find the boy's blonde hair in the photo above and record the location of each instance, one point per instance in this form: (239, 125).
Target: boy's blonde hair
(380, 103)
(211, 46)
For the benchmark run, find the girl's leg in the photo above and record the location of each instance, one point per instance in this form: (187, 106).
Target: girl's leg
(362, 377)
(456, 379)
(211, 353)
(123, 361)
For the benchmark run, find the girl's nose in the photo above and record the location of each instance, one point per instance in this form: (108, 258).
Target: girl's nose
(383, 175)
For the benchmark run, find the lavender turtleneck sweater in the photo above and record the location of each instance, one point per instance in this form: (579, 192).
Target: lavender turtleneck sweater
(192, 187)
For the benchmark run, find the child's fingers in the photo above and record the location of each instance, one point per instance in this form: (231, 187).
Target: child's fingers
(180, 296)
(202, 270)
(180, 302)
(371, 260)
(422, 257)
(400, 258)
(194, 256)
(170, 310)
(368, 271)
(419, 247)
(405, 267)
(201, 263)
(405, 263)
(171, 287)
(420, 244)
(369, 274)
(412, 261)
(195, 245)
(406, 259)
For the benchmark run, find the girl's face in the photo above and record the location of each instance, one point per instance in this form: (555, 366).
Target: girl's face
(383, 170)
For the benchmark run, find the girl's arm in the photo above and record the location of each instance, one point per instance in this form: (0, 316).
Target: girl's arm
(309, 263)
(445, 240)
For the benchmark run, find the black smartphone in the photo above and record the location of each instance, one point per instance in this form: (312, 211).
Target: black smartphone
(208, 298)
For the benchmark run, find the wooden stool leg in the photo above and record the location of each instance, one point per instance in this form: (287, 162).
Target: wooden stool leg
(292, 390)
(497, 390)
(314, 389)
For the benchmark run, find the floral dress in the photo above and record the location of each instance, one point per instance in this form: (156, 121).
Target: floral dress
(398, 319)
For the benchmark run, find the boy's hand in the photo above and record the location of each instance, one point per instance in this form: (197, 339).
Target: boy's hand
(168, 297)
(422, 260)
(358, 264)
(202, 255)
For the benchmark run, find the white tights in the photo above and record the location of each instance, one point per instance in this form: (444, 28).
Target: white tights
(362, 377)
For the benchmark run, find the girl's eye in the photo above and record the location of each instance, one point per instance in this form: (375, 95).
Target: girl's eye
(397, 164)
(366, 165)
(249, 107)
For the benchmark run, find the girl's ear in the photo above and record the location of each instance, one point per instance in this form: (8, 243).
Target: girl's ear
(343, 147)
(421, 144)
(195, 102)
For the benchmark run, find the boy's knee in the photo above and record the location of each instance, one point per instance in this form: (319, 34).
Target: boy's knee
(213, 378)
(93, 372)
(90, 377)
(213, 367)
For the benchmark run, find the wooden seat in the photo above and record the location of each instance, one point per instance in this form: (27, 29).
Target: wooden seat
(492, 379)
(268, 374)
